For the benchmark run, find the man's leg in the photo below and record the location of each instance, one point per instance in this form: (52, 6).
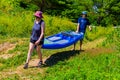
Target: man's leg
(81, 41)
(73, 46)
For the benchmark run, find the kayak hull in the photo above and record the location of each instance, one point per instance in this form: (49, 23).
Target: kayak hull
(62, 40)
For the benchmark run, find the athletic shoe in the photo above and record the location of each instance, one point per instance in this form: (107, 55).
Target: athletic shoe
(40, 64)
(25, 66)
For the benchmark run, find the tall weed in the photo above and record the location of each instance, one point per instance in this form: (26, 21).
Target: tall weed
(98, 31)
(56, 24)
(17, 25)
(113, 39)
(20, 24)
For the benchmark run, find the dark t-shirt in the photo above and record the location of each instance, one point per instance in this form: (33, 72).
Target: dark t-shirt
(83, 24)
(36, 31)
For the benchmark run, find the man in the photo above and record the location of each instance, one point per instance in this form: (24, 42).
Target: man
(83, 22)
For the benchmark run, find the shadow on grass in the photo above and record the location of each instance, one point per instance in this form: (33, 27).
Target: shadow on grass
(60, 56)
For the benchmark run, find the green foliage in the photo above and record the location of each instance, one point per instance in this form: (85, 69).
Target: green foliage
(97, 32)
(113, 39)
(17, 25)
(84, 67)
(17, 22)
(6, 5)
(118, 38)
(107, 11)
(20, 24)
(56, 24)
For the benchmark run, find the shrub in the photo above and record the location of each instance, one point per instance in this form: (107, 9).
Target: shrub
(97, 31)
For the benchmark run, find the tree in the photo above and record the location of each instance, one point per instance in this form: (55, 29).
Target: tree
(101, 12)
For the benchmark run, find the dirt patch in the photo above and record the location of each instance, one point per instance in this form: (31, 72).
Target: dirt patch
(91, 47)
(6, 56)
(23, 72)
(93, 44)
(32, 64)
(97, 51)
(5, 47)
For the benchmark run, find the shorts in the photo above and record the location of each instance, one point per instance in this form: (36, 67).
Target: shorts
(40, 43)
(82, 37)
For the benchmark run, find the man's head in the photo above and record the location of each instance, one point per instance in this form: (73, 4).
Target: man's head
(84, 14)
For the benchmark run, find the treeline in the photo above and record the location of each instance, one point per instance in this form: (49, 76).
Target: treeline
(100, 12)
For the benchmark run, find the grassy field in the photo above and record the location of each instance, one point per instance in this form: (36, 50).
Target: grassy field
(95, 62)
(99, 59)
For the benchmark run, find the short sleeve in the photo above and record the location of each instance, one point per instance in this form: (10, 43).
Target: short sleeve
(79, 20)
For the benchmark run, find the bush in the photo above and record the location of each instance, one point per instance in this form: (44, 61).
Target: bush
(97, 32)
(56, 24)
(19, 24)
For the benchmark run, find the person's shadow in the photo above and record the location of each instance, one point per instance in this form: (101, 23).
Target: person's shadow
(60, 56)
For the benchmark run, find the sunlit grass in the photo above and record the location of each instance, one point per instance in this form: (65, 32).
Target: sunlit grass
(97, 32)
(19, 24)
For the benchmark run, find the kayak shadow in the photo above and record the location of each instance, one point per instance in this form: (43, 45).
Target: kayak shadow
(60, 56)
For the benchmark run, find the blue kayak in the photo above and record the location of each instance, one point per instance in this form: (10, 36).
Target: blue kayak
(61, 40)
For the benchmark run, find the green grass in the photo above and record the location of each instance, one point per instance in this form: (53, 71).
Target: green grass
(113, 40)
(68, 65)
(97, 32)
(18, 58)
(20, 24)
(62, 64)
(84, 67)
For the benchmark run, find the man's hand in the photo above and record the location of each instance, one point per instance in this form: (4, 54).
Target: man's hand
(76, 31)
(90, 29)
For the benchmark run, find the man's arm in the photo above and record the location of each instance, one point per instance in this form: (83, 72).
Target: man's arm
(78, 28)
